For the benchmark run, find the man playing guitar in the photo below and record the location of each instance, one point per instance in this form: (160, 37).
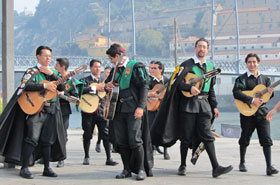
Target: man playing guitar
(89, 120)
(245, 82)
(156, 70)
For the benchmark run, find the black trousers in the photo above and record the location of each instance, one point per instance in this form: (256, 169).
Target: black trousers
(128, 133)
(248, 126)
(88, 123)
(195, 124)
(41, 127)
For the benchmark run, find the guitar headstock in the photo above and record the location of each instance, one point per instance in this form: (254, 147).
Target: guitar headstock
(213, 73)
(80, 69)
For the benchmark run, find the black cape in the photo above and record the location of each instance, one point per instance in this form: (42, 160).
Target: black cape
(12, 133)
(165, 128)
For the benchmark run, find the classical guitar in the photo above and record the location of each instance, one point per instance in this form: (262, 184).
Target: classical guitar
(197, 81)
(89, 103)
(112, 96)
(32, 102)
(260, 91)
(154, 102)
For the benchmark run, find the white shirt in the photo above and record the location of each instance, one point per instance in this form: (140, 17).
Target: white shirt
(197, 61)
(249, 74)
(93, 88)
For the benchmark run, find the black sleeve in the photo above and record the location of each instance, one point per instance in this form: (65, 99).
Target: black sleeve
(211, 94)
(34, 86)
(238, 94)
(141, 79)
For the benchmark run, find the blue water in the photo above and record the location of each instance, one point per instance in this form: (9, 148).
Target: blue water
(231, 118)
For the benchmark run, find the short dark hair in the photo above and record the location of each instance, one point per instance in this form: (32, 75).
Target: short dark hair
(252, 55)
(107, 67)
(160, 65)
(63, 62)
(93, 61)
(202, 39)
(40, 48)
(113, 50)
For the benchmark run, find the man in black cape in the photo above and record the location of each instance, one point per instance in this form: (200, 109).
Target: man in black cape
(14, 126)
(189, 118)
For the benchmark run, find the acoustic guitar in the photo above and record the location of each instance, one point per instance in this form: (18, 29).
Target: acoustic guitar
(197, 81)
(89, 103)
(112, 96)
(32, 102)
(154, 102)
(260, 91)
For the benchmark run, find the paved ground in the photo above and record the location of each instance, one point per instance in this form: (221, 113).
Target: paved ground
(164, 170)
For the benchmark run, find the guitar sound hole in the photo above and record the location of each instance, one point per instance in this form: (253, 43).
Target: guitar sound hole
(258, 95)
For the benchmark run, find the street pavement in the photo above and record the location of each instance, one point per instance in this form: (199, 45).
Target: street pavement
(165, 171)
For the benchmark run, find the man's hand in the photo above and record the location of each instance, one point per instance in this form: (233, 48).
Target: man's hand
(270, 114)
(110, 86)
(46, 70)
(195, 91)
(257, 102)
(216, 112)
(270, 90)
(138, 113)
(100, 87)
(51, 86)
(153, 95)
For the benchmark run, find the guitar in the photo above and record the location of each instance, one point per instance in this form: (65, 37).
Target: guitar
(154, 102)
(32, 102)
(197, 81)
(71, 99)
(89, 103)
(260, 91)
(112, 96)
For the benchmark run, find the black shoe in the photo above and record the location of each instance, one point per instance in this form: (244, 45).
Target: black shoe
(150, 173)
(220, 170)
(242, 167)
(124, 174)
(158, 150)
(271, 170)
(182, 170)
(25, 173)
(86, 161)
(110, 162)
(141, 175)
(166, 156)
(97, 148)
(60, 164)
(48, 172)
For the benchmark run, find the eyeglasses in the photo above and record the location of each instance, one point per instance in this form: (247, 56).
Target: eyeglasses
(46, 56)
(153, 68)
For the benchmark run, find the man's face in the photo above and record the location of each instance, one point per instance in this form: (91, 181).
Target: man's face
(95, 68)
(107, 72)
(252, 64)
(115, 59)
(155, 70)
(59, 68)
(201, 49)
(45, 57)
(151, 69)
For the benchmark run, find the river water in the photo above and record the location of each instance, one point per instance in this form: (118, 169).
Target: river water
(228, 118)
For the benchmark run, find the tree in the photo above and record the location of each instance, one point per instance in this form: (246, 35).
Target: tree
(150, 43)
(72, 49)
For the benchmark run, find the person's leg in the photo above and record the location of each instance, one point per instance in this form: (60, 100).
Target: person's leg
(187, 129)
(203, 131)
(65, 119)
(248, 125)
(88, 126)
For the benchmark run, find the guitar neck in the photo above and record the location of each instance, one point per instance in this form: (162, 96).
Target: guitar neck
(63, 79)
(271, 86)
(162, 88)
